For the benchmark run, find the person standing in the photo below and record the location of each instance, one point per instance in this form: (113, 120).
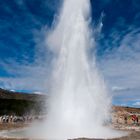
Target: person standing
(125, 119)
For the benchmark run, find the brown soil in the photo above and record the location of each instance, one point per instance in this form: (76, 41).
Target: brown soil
(10, 126)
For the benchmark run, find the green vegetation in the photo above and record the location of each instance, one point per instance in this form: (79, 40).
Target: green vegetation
(15, 103)
(19, 107)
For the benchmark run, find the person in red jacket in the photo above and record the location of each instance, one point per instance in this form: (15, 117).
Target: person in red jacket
(134, 118)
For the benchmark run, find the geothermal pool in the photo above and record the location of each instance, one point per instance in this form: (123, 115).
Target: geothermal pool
(23, 134)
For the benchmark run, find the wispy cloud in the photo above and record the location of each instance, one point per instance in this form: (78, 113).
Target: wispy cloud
(120, 64)
(29, 77)
(26, 75)
(24, 56)
(136, 104)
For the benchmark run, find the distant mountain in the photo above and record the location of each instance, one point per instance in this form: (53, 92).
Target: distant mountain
(6, 94)
(21, 103)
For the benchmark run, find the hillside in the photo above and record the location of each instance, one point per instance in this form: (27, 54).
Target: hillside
(6, 94)
(20, 103)
(126, 109)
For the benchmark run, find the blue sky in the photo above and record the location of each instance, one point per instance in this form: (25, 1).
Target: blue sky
(23, 26)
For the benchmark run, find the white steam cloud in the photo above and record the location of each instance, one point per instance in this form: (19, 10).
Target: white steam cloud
(78, 104)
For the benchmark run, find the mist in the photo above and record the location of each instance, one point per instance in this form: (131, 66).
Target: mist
(79, 104)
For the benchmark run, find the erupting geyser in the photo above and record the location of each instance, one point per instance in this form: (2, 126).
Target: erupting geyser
(78, 105)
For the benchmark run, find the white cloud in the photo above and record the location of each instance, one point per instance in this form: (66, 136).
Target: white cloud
(136, 103)
(38, 92)
(121, 66)
(29, 76)
(115, 88)
(25, 77)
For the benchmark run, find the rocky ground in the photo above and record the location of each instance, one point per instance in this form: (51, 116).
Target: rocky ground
(8, 126)
(118, 122)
